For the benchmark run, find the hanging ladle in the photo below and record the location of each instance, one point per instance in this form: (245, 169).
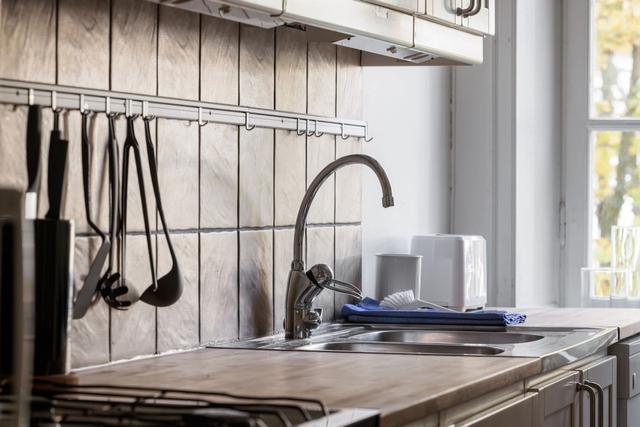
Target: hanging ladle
(168, 288)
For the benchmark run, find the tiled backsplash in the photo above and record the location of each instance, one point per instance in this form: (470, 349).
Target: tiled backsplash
(230, 195)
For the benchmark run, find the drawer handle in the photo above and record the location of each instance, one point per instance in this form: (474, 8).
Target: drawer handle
(600, 392)
(633, 381)
(462, 12)
(592, 401)
(476, 9)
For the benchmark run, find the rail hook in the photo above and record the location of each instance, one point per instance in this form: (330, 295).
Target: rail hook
(366, 134)
(315, 132)
(202, 123)
(30, 97)
(298, 131)
(54, 102)
(308, 127)
(145, 112)
(246, 122)
(342, 134)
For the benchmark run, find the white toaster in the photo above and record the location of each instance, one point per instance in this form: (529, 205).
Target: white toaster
(454, 272)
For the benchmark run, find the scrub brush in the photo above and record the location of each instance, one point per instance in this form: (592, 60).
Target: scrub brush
(406, 300)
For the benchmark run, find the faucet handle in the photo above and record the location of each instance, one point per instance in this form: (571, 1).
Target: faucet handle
(313, 318)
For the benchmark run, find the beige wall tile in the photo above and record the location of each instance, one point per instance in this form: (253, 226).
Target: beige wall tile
(349, 105)
(349, 183)
(321, 152)
(83, 43)
(218, 176)
(219, 287)
(219, 60)
(282, 257)
(27, 40)
(256, 67)
(256, 283)
(178, 53)
(291, 70)
(89, 336)
(256, 177)
(133, 331)
(349, 84)
(178, 325)
(289, 176)
(13, 157)
(177, 152)
(320, 251)
(348, 260)
(322, 79)
(134, 39)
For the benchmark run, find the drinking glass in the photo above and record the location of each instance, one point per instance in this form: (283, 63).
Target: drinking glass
(604, 286)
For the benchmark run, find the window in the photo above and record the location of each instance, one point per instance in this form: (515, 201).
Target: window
(601, 179)
(615, 96)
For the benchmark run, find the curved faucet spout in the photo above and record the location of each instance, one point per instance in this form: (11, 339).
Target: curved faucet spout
(302, 288)
(387, 197)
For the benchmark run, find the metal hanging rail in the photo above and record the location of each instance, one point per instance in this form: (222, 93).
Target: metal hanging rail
(72, 98)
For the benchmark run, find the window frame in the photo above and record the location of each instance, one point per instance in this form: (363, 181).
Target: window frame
(579, 129)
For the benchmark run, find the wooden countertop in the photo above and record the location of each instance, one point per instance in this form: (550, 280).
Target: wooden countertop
(404, 387)
(627, 320)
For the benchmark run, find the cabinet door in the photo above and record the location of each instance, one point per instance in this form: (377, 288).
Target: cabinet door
(559, 403)
(482, 18)
(445, 10)
(521, 411)
(602, 375)
(410, 6)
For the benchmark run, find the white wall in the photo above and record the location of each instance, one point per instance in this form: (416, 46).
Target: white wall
(409, 115)
(507, 152)
(538, 151)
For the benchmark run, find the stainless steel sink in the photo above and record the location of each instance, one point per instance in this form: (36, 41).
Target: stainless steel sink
(555, 347)
(393, 347)
(452, 337)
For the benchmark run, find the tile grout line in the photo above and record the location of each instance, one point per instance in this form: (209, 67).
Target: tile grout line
(200, 130)
(273, 233)
(110, 333)
(156, 309)
(238, 194)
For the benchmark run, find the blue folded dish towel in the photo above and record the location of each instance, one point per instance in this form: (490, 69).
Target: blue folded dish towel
(369, 311)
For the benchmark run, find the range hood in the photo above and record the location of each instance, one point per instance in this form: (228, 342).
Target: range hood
(385, 36)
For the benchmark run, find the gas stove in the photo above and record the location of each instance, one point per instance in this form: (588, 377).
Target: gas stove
(56, 404)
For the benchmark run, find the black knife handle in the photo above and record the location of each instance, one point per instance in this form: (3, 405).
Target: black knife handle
(57, 165)
(34, 133)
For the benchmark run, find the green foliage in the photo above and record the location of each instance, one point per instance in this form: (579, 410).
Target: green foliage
(616, 173)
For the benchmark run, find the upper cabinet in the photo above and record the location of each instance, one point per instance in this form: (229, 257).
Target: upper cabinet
(402, 32)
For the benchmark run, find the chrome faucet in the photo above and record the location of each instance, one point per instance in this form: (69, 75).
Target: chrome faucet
(303, 288)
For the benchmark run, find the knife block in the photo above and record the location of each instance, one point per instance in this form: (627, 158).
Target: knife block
(54, 246)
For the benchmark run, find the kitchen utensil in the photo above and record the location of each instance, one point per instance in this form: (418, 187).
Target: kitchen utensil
(168, 288)
(34, 133)
(454, 270)
(397, 272)
(406, 300)
(131, 144)
(112, 289)
(90, 285)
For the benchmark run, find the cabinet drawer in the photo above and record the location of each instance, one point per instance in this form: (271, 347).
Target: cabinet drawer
(628, 355)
